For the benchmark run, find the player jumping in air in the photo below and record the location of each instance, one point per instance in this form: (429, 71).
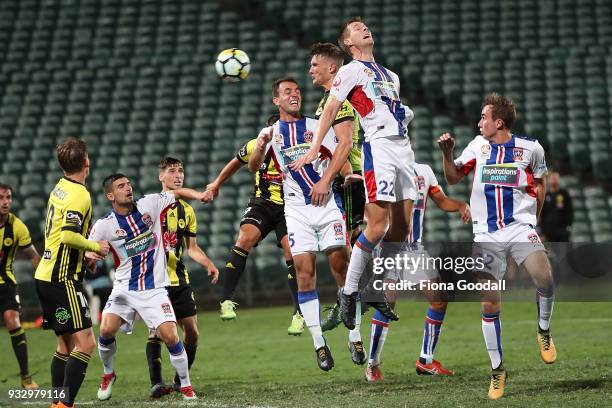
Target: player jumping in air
(139, 251)
(179, 228)
(427, 187)
(507, 196)
(311, 228)
(14, 234)
(59, 274)
(387, 156)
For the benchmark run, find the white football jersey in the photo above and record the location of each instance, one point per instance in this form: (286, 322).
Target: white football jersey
(373, 91)
(427, 184)
(137, 242)
(292, 140)
(503, 189)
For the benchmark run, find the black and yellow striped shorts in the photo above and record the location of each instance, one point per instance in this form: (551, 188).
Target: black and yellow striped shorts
(64, 306)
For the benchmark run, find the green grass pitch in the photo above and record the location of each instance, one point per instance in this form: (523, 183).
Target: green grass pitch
(253, 362)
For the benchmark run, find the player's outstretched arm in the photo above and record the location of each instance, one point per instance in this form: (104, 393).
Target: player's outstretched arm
(190, 194)
(452, 174)
(259, 152)
(448, 204)
(197, 254)
(332, 106)
(228, 171)
(78, 241)
(32, 253)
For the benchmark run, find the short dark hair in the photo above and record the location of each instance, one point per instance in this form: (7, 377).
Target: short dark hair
(6, 187)
(329, 51)
(71, 155)
(107, 184)
(501, 108)
(168, 161)
(279, 81)
(344, 32)
(272, 119)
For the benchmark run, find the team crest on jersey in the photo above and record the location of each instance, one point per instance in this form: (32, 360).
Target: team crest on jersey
(166, 308)
(146, 218)
(338, 229)
(308, 136)
(8, 242)
(517, 153)
(181, 224)
(533, 238)
(120, 233)
(485, 150)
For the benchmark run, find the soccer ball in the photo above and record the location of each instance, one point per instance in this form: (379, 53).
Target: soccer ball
(233, 65)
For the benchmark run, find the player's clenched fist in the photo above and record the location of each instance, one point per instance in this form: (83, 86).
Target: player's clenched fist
(264, 137)
(104, 248)
(446, 143)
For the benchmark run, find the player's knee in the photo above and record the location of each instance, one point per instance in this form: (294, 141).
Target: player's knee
(191, 334)
(11, 320)
(376, 231)
(85, 342)
(167, 332)
(438, 306)
(490, 307)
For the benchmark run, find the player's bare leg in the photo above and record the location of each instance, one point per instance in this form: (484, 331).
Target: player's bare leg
(178, 357)
(309, 304)
(538, 266)
(248, 236)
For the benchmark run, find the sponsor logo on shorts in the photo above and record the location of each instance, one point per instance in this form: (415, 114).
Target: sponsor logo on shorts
(74, 218)
(141, 244)
(338, 229)
(533, 238)
(8, 242)
(146, 218)
(61, 315)
(166, 308)
(517, 153)
(500, 175)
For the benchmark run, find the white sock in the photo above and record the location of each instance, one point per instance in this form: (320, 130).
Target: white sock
(355, 334)
(361, 256)
(491, 330)
(178, 359)
(545, 309)
(107, 350)
(309, 305)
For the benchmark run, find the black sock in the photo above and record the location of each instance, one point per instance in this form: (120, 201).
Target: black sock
(20, 347)
(76, 367)
(58, 367)
(293, 288)
(154, 360)
(191, 353)
(233, 271)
